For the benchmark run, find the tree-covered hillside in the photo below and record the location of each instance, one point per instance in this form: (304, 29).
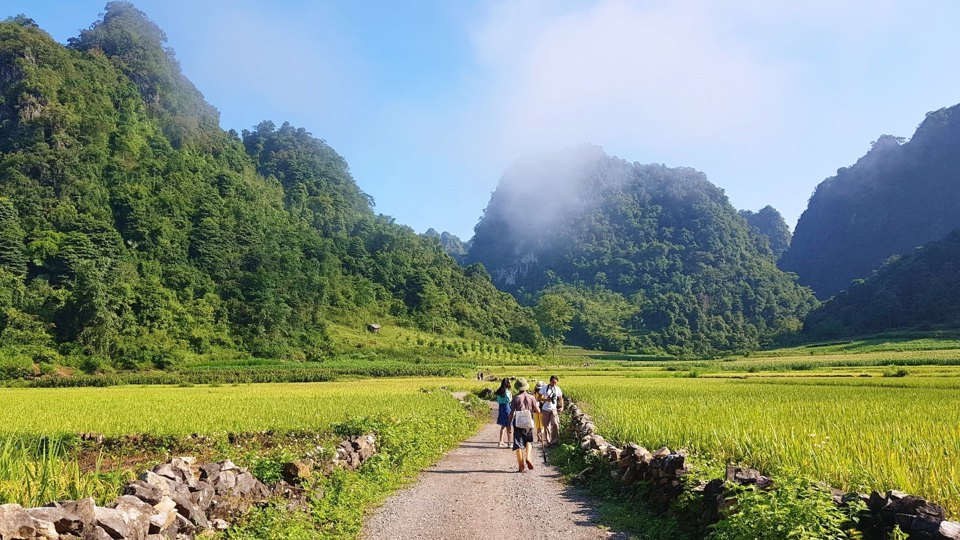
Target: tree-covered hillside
(917, 290)
(651, 257)
(134, 231)
(769, 223)
(898, 196)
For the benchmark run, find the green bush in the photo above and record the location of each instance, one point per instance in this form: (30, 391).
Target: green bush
(15, 365)
(796, 508)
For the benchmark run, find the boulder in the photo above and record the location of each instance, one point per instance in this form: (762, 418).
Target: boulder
(949, 530)
(164, 515)
(748, 477)
(112, 522)
(85, 510)
(202, 495)
(209, 471)
(66, 523)
(150, 493)
(297, 471)
(16, 524)
(136, 514)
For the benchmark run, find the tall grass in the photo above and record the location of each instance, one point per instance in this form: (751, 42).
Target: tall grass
(854, 436)
(34, 472)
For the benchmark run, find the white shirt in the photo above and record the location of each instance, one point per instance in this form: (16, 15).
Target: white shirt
(552, 393)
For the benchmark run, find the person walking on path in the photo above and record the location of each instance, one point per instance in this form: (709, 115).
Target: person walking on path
(552, 407)
(538, 416)
(521, 418)
(503, 413)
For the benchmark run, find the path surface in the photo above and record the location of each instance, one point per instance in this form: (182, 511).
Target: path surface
(475, 492)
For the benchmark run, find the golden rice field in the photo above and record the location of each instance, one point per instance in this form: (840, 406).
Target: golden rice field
(854, 433)
(165, 410)
(35, 466)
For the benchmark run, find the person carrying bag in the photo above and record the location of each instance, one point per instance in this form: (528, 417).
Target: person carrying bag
(521, 418)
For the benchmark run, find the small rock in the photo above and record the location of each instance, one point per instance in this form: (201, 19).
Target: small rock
(949, 530)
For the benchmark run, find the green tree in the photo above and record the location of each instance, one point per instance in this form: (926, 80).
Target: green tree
(553, 314)
(12, 251)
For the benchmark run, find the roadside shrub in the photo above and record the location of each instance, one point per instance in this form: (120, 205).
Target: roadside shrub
(796, 508)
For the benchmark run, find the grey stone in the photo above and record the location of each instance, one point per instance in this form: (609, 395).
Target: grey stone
(16, 524)
(202, 495)
(146, 492)
(64, 521)
(112, 522)
(188, 509)
(949, 530)
(209, 471)
(163, 516)
(136, 514)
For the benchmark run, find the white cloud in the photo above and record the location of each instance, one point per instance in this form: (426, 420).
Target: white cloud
(657, 73)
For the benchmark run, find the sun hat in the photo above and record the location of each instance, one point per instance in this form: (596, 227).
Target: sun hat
(521, 385)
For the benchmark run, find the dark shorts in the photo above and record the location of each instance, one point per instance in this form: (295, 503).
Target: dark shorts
(522, 437)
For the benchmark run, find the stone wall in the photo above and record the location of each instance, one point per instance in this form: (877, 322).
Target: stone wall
(662, 475)
(173, 501)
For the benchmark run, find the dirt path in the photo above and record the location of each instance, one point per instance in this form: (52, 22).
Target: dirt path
(475, 492)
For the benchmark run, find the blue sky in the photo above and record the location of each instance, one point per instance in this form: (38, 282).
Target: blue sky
(429, 100)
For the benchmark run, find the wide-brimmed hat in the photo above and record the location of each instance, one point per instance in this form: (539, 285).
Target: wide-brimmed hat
(521, 385)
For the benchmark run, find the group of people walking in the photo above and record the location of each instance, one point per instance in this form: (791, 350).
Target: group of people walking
(525, 416)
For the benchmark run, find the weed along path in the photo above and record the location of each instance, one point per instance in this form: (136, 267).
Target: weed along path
(475, 492)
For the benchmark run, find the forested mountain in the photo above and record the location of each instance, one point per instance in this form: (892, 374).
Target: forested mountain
(134, 230)
(769, 223)
(898, 196)
(451, 243)
(652, 257)
(917, 290)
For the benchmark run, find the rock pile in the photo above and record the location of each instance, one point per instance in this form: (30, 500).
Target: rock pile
(662, 473)
(354, 451)
(174, 500)
(915, 516)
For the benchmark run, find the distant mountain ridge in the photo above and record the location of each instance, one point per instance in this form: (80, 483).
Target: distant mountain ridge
(898, 196)
(681, 270)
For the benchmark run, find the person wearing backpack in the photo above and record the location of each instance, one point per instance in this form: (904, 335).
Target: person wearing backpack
(521, 418)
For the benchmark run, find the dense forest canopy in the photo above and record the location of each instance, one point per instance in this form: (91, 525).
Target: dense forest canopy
(133, 230)
(651, 257)
(914, 291)
(898, 196)
(769, 223)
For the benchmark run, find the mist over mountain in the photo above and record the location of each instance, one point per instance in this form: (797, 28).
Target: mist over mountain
(653, 257)
(898, 196)
(135, 232)
(769, 223)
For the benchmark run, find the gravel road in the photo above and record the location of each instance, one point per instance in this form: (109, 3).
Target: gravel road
(475, 492)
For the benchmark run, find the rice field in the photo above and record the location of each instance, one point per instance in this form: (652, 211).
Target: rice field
(854, 433)
(36, 466)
